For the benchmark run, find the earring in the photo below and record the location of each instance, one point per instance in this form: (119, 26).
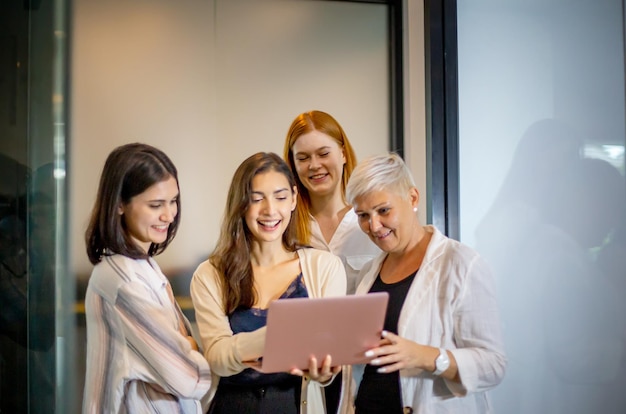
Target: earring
(415, 209)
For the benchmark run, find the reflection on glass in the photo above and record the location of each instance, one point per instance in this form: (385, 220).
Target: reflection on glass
(543, 193)
(27, 312)
(41, 218)
(561, 312)
(32, 210)
(13, 287)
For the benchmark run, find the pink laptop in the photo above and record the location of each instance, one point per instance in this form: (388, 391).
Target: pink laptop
(343, 327)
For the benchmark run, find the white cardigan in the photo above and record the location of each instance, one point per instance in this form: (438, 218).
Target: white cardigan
(451, 304)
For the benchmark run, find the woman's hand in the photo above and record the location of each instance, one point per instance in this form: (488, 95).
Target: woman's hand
(322, 375)
(395, 353)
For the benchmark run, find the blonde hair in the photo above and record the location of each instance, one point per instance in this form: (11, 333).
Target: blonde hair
(381, 172)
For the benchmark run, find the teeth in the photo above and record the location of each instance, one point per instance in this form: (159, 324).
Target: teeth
(269, 223)
(162, 227)
(315, 177)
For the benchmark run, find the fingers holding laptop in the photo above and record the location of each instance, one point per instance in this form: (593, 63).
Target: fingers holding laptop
(322, 374)
(395, 352)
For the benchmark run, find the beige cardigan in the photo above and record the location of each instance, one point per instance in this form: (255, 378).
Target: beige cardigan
(324, 275)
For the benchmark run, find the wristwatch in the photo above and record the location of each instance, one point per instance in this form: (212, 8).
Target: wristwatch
(442, 363)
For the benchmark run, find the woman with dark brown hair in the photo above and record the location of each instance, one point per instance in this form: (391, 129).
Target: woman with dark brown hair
(141, 357)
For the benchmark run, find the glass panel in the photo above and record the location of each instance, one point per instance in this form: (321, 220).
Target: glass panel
(66, 390)
(46, 213)
(35, 290)
(13, 240)
(542, 193)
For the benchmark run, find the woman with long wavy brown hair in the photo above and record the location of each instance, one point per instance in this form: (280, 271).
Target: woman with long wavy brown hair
(257, 260)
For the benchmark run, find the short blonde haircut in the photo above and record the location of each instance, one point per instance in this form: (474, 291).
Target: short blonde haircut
(385, 172)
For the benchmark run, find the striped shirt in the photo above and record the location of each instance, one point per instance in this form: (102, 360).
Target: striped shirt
(137, 359)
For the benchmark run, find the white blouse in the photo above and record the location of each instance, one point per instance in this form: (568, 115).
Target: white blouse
(451, 304)
(349, 243)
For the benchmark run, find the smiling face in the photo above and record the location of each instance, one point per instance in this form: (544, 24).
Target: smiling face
(319, 161)
(387, 218)
(272, 201)
(148, 215)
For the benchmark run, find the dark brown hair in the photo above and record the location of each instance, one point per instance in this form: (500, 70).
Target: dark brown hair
(129, 170)
(231, 256)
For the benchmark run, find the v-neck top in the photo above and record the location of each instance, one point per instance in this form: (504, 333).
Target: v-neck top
(349, 243)
(251, 319)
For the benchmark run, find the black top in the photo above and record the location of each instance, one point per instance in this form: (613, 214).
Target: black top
(250, 319)
(380, 393)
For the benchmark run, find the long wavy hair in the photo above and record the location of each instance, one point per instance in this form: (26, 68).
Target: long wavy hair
(231, 256)
(303, 124)
(129, 170)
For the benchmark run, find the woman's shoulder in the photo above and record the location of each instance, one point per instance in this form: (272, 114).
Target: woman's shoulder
(457, 257)
(115, 265)
(323, 272)
(206, 272)
(313, 254)
(112, 273)
(442, 244)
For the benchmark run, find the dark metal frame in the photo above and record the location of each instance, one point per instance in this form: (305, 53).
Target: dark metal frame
(440, 25)
(395, 21)
(396, 78)
(442, 121)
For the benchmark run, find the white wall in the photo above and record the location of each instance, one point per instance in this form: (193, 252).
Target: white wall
(210, 83)
(415, 99)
